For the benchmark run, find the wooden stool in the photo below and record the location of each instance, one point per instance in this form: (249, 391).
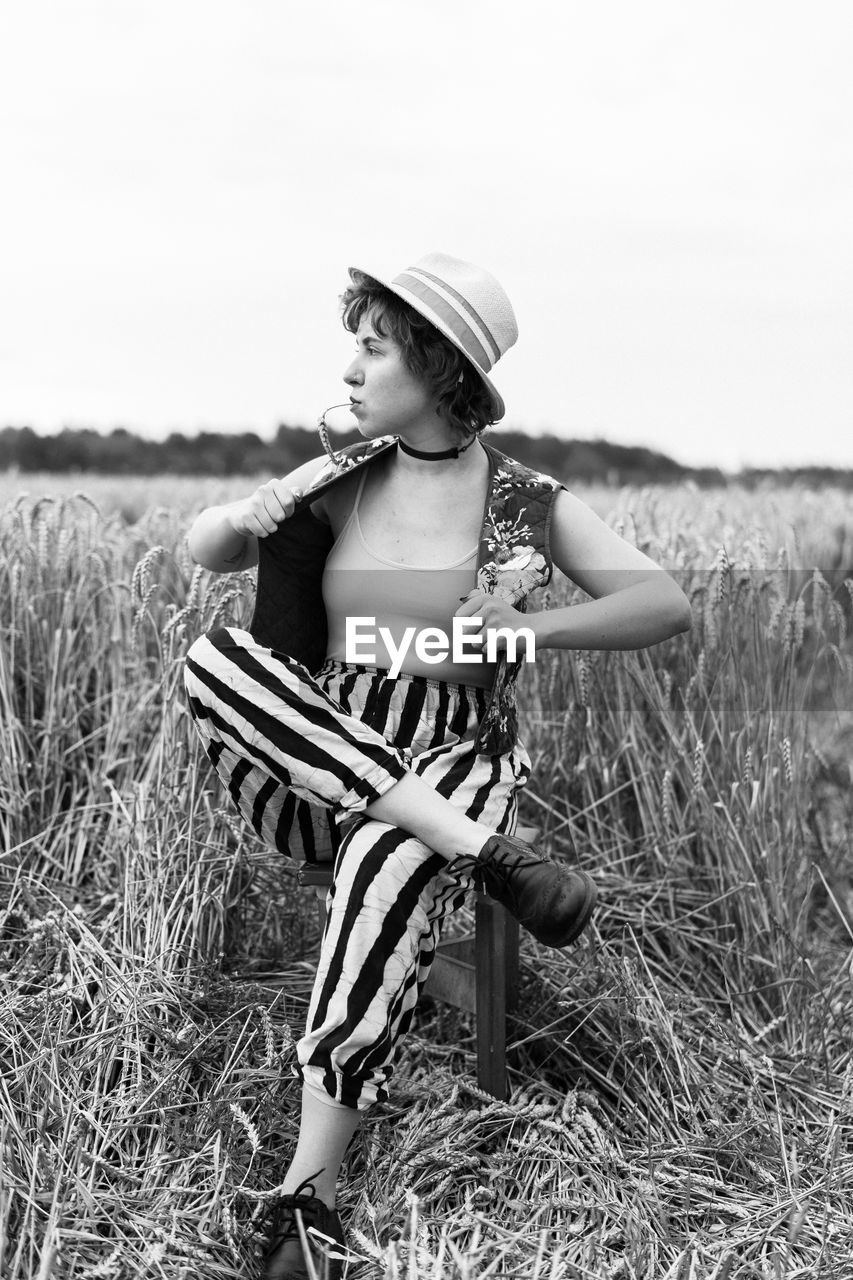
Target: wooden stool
(477, 972)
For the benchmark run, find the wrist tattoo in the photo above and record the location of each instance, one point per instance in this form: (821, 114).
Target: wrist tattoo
(239, 556)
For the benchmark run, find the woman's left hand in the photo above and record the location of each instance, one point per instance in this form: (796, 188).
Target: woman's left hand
(495, 613)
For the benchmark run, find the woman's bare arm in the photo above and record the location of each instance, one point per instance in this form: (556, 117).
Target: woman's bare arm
(635, 603)
(225, 538)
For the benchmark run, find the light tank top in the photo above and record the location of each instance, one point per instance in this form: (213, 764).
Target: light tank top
(360, 583)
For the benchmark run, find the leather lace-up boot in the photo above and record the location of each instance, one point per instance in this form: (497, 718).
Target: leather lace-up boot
(285, 1259)
(552, 901)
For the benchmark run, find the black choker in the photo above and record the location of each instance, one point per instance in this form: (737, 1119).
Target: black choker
(433, 457)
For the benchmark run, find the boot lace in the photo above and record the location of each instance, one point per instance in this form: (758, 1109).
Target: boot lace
(306, 1200)
(499, 867)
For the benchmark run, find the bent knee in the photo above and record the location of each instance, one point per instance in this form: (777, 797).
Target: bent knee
(209, 660)
(216, 650)
(219, 640)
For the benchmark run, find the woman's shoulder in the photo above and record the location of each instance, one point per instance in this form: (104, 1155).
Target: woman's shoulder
(335, 504)
(337, 472)
(515, 473)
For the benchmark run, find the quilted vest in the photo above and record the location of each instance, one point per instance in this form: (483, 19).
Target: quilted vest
(513, 559)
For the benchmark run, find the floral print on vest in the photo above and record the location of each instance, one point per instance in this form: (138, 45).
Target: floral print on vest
(514, 560)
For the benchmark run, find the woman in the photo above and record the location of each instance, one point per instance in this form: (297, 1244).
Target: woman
(410, 781)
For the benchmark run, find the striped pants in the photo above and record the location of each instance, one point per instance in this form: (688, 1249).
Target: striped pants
(302, 756)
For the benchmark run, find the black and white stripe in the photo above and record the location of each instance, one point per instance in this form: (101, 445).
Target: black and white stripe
(293, 749)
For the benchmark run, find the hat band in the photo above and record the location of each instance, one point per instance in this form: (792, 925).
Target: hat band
(470, 332)
(476, 321)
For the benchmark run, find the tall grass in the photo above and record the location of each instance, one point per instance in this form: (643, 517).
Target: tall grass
(682, 1078)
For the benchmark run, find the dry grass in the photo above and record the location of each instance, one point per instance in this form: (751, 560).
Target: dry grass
(682, 1078)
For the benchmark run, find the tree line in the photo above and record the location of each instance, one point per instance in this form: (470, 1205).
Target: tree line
(216, 453)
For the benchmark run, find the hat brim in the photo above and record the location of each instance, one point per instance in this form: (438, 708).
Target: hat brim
(498, 406)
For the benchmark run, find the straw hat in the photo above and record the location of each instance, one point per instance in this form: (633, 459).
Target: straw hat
(466, 304)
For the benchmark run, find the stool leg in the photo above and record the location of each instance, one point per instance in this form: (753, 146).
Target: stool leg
(491, 962)
(513, 968)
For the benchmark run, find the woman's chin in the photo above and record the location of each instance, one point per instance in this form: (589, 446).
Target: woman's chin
(371, 431)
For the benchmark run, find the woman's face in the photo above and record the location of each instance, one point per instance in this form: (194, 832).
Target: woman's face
(386, 398)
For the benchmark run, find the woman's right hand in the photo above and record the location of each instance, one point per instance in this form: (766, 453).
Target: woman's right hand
(262, 513)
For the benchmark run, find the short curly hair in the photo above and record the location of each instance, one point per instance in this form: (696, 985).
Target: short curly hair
(463, 398)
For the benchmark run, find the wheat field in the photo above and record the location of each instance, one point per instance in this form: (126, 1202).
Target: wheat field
(682, 1078)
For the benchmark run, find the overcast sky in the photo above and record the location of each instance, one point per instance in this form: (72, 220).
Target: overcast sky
(664, 189)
